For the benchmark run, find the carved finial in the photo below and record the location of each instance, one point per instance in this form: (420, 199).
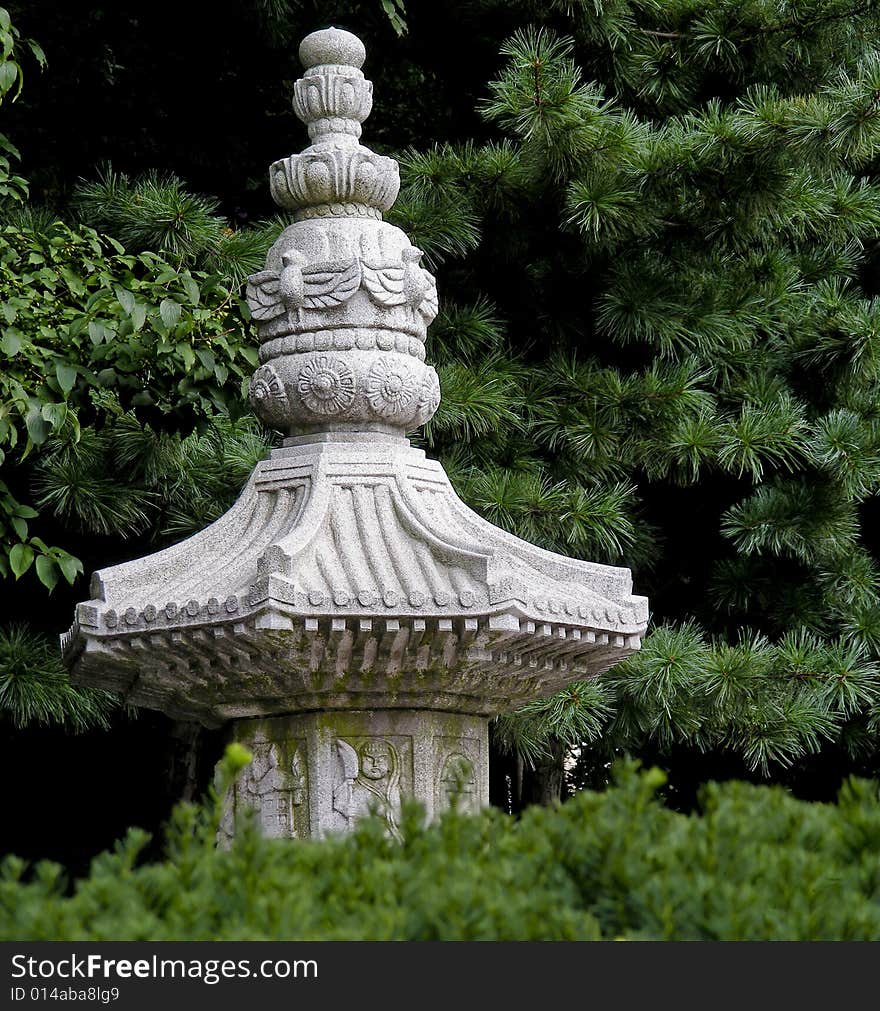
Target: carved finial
(333, 98)
(344, 303)
(336, 174)
(332, 46)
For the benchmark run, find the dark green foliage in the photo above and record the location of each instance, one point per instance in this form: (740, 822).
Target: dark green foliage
(658, 340)
(126, 479)
(13, 188)
(157, 213)
(755, 864)
(35, 687)
(677, 219)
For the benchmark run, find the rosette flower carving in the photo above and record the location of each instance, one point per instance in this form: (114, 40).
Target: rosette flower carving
(326, 385)
(268, 396)
(390, 387)
(429, 395)
(265, 384)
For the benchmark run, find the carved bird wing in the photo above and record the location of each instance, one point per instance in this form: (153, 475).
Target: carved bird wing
(329, 284)
(430, 305)
(385, 284)
(262, 295)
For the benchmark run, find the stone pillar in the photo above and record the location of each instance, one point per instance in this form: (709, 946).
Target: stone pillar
(314, 774)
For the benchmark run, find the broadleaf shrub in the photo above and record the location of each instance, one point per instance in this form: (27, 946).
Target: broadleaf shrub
(82, 322)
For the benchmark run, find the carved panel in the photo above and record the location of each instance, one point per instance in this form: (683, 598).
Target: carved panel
(275, 787)
(457, 763)
(371, 774)
(333, 96)
(268, 397)
(391, 387)
(326, 385)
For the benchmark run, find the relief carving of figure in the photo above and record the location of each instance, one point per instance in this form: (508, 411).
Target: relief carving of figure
(274, 791)
(299, 286)
(377, 786)
(345, 769)
(458, 784)
(403, 283)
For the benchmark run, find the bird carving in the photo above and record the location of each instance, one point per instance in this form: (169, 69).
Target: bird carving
(406, 284)
(430, 304)
(262, 296)
(291, 283)
(321, 286)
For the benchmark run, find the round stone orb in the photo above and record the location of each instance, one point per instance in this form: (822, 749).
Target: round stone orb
(332, 45)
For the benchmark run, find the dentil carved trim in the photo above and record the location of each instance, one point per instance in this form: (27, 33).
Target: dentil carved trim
(344, 339)
(338, 211)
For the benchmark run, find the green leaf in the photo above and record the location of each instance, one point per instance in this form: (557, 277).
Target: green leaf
(186, 353)
(125, 298)
(10, 148)
(21, 558)
(97, 332)
(70, 566)
(139, 315)
(4, 19)
(169, 311)
(55, 414)
(191, 288)
(9, 312)
(37, 50)
(10, 343)
(19, 526)
(47, 573)
(8, 75)
(38, 427)
(74, 281)
(206, 358)
(66, 375)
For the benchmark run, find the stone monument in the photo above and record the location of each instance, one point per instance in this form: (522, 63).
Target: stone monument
(350, 618)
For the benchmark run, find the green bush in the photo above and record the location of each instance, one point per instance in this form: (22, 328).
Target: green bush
(83, 320)
(755, 864)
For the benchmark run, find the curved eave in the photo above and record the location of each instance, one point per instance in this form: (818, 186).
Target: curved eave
(271, 661)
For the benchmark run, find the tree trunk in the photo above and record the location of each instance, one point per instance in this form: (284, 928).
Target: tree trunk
(185, 762)
(545, 783)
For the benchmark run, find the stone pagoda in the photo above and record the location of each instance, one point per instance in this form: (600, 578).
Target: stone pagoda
(350, 618)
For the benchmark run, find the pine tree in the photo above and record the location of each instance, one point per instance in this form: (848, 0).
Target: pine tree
(668, 281)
